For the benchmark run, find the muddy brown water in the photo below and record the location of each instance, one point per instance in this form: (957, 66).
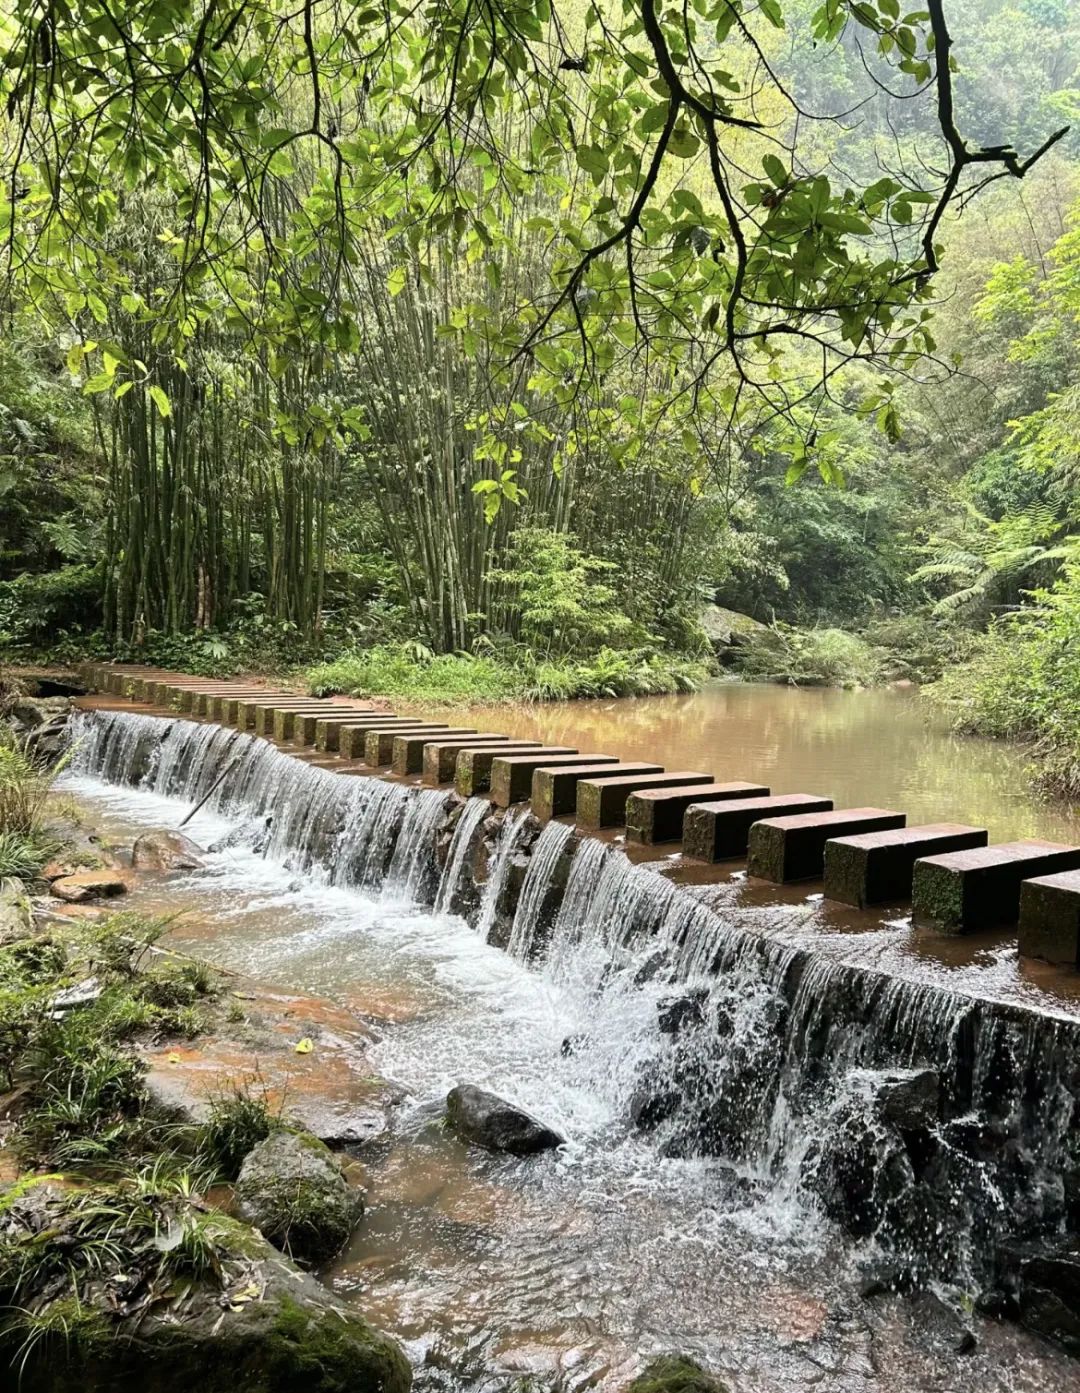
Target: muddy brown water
(573, 1267)
(887, 748)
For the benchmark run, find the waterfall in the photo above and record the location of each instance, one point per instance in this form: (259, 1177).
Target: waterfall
(412, 867)
(499, 868)
(537, 889)
(938, 1126)
(472, 815)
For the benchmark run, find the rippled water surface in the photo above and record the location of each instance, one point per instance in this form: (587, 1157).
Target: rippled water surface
(576, 1265)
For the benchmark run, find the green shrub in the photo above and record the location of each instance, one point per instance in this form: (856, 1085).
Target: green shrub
(809, 658)
(1022, 681)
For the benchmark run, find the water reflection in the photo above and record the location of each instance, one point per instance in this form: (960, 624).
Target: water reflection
(886, 748)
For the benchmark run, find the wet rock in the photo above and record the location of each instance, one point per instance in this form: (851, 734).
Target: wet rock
(490, 1121)
(857, 1168)
(249, 1323)
(1049, 1295)
(291, 1188)
(675, 1373)
(85, 886)
(910, 1100)
(943, 1323)
(166, 850)
(675, 1013)
(14, 909)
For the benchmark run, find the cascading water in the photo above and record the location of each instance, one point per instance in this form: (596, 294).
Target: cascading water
(526, 930)
(472, 815)
(937, 1124)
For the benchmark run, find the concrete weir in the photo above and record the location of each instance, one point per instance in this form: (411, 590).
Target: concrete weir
(956, 883)
(776, 1032)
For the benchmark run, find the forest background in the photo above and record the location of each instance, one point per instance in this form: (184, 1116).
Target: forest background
(405, 516)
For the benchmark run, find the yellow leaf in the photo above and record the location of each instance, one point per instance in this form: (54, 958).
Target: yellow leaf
(174, 1058)
(304, 1046)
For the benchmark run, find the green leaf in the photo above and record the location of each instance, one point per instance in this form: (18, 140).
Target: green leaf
(161, 401)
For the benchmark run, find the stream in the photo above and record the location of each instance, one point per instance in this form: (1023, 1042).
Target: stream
(574, 1266)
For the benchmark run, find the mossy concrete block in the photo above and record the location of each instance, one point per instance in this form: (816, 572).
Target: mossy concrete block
(793, 848)
(408, 751)
(876, 867)
(656, 814)
(266, 723)
(964, 891)
(287, 722)
(441, 756)
(473, 769)
(351, 737)
(720, 831)
(328, 728)
(379, 740)
(554, 786)
(602, 802)
(512, 775)
(1050, 919)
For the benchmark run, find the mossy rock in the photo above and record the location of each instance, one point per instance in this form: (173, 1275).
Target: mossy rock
(253, 1323)
(674, 1373)
(291, 1188)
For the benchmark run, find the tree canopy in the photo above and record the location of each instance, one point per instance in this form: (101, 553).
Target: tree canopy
(687, 212)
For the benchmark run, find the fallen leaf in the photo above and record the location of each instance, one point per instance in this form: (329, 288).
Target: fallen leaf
(174, 1058)
(304, 1046)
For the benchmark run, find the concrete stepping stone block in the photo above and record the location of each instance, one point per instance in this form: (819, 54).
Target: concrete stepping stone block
(352, 737)
(793, 848)
(1050, 919)
(876, 867)
(602, 802)
(473, 771)
(656, 814)
(554, 790)
(288, 722)
(512, 777)
(720, 831)
(377, 746)
(964, 891)
(328, 727)
(441, 756)
(407, 755)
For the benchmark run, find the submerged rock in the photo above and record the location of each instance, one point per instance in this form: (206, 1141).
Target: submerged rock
(675, 1373)
(166, 850)
(84, 886)
(291, 1189)
(488, 1120)
(147, 1321)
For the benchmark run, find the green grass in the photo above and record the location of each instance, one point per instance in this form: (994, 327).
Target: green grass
(412, 672)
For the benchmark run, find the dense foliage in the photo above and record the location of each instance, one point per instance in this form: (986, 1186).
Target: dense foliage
(468, 352)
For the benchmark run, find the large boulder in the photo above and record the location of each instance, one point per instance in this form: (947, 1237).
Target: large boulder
(162, 1316)
(166, 850)
(490, 1121)
(291, 1188)
(727, 630)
